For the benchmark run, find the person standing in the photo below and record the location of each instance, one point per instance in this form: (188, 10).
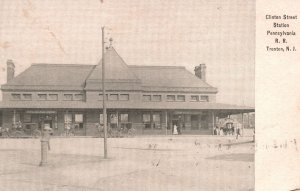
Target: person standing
(238, 131)
(175, 132)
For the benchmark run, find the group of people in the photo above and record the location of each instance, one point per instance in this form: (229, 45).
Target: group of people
(227, 129)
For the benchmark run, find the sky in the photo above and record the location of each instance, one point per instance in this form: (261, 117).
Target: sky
(219, 33)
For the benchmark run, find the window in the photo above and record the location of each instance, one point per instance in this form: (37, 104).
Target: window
(146, 97)
(27, 96)
(79, 121)
(78, 97)
(79, 118)
(16, 118)
(101, 96)
(180, 98)
(146, 120)
(124, 97)
(113, 97)
(156, 98)
(68, 120)
(114, 118)
(68, 97)
(16, 96)
(53, 97)
(101, 119)
(156, 121)
(194, 98)
(27, 118)
(124, 118)
(170, 97)
(42, 96)
(204, 98)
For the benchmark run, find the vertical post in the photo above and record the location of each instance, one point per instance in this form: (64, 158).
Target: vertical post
(213, 122)
(151, 120)
(171, 122)
(14, 118)
(248, 120)
(242, 124)
(104, 96)
(166, 113)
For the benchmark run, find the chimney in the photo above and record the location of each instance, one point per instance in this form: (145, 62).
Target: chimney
(200, 72)
(10, 70)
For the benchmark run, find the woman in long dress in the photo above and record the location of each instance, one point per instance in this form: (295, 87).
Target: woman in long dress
(175, 132)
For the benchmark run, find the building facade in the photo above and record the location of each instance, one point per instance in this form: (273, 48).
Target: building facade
(150, 99)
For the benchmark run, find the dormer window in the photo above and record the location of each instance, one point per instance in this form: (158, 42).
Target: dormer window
(53, 97)
(68, 97)
(194, 98)
(78, 97)
(204, 98)
(156, 98)
(27, 96)
(124, 97)
(180, 98)
(42, 96)
(16, 96)
(113, 97)
(146, 97)
(170, 97)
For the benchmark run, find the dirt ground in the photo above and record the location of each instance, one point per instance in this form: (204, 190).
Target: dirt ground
(176, 163)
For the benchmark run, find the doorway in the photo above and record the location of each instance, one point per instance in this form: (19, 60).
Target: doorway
(194, 122)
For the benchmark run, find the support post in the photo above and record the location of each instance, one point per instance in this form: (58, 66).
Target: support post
(14, 118)
(166, 113)
(45, 147)
(213, 122)
(104, 96)
(242, 124)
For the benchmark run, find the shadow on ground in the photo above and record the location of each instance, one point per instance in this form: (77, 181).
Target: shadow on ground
(244, 157)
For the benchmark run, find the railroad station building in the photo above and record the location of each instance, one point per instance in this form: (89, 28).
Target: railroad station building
(151, 99)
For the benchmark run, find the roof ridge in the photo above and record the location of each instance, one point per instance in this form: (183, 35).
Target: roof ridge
(55, 64)
(153, 66)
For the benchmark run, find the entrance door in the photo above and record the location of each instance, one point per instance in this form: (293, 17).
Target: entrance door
(194, 122)
(48, 123)
(174, 122)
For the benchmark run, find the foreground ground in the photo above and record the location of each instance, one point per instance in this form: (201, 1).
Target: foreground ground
(136, 164)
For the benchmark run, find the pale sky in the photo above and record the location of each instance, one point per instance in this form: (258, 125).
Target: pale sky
(219, 33)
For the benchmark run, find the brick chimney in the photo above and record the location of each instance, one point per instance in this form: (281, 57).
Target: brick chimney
(200, 72)
(10, 70)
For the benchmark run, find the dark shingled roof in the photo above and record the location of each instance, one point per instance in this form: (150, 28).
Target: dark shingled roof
(51, 77)
(118, 75)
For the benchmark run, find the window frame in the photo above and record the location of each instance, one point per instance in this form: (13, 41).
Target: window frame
(64, 97)
(183, 96)
(160, 98)
(14, 98)
(147, 96)
(42, 94)
(111, 96)
(197, 96)
(121, 95)
(51, 94)
(204, 100)
(167, 96)
(27, 94)
(76, 99)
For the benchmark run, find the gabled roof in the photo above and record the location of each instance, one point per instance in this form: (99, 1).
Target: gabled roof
(162, 77)
(51, 77)
(115, 68)
(118, 76)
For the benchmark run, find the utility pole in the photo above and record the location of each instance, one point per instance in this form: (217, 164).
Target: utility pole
(104, 96)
